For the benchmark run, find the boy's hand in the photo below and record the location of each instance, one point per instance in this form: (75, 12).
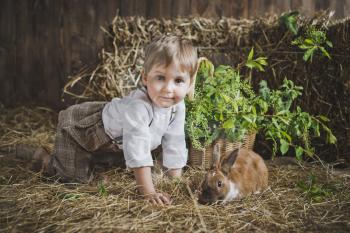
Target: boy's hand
(146, 188)
(158, 198)
(174, 173)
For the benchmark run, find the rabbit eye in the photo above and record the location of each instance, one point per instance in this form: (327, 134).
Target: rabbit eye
(219, 183)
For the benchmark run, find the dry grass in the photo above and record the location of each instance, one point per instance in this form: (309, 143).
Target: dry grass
(30, 202)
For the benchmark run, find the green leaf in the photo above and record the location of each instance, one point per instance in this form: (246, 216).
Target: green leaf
(290, 21)
(251, 53)
(324, 51)
(226, 97)
(247, 119)
(289, 138)
(260, 68)
(323, 118)
(284, 146)
(309, 152)
(69, 196)
(299, 152)
(282, 112)
(221, 116)
(308, 54)
(295, 42)
(261, 61)
(285, 121)
(331, 138)
(228, 124)
(305, 47)
(251, 64)
(102, 191)
(329, 43)
(309, 42)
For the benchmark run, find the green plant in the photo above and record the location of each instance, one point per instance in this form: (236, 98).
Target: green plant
(225, 106)
(69, 196)
(282, 125)
(313, 190)
(289, 20)
(252, 64)
(220, 107)
(102, 190)
(312, 41)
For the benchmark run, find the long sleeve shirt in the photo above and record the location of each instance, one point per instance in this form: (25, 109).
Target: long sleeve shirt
(141, 127)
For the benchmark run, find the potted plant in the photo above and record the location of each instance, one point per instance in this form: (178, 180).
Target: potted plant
(226, 109)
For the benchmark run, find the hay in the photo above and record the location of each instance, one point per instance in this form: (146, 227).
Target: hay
(30, 202)
(25, 125)
(122, 59)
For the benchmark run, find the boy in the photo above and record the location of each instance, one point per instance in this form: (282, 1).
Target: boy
(137, 123)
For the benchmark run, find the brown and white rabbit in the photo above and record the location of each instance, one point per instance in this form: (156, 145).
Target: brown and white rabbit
(236, 175)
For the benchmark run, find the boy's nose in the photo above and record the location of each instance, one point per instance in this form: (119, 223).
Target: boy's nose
(168, 87)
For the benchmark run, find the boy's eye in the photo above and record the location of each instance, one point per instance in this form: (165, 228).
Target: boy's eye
(179, 80)
(160, 77)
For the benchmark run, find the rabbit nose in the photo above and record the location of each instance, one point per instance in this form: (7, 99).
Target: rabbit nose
(203, 201)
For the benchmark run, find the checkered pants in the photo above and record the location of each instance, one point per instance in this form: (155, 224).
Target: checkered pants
(81, 143)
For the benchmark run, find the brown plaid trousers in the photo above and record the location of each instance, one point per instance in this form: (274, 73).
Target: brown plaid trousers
(81, 142)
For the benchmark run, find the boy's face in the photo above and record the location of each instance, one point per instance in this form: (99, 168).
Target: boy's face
(166, 86)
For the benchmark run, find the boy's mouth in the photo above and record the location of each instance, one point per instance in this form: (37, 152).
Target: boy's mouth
(167, 98)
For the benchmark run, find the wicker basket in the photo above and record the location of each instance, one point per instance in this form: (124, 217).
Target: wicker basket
(203, 159)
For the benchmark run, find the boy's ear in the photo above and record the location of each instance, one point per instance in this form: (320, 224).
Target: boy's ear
(143, 77)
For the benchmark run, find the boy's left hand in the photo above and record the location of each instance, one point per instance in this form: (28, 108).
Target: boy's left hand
(159, 198)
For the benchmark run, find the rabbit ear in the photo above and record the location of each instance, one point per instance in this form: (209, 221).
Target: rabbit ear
(216, 156)
(228, 162)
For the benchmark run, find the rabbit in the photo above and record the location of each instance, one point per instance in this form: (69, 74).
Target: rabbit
(236, 175)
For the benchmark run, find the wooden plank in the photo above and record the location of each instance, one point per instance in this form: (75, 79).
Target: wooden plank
(282, 6)
(338, 7)
(127, 7)
(347, 8)
(214, 10)
(296, 4)
(180, 8)
(48, 38)
(321, 5)
(245, 9)
(28, 51)
(254, 8)
(164, 8)
(139, 7)
(270, 7)
(7, 52)
(308, 7)
(226, 8)
(198, 7)
(339, 10)
(159, 9)
(237, 9)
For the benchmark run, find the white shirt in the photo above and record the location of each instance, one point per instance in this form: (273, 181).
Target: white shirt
(142, 127)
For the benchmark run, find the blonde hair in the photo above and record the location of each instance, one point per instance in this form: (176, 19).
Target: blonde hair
(166, 49)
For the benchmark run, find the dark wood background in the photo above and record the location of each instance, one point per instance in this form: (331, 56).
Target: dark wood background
(42, 42)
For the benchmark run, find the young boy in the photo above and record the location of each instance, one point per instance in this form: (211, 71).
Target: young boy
(137, 124)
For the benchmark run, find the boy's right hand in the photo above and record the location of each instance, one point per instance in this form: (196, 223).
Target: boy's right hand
(158, 198)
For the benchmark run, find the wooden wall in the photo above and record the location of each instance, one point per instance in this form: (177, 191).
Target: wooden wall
(42, 42)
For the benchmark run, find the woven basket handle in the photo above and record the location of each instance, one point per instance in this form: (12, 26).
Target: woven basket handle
(193, 85)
